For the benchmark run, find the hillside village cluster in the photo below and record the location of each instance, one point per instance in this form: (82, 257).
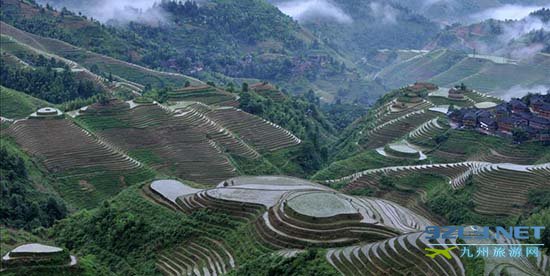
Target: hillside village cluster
(523, 119)
(530, 116)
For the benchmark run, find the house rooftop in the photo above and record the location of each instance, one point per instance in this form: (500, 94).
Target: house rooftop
(487, 120)
(516, 103)
(470, 115)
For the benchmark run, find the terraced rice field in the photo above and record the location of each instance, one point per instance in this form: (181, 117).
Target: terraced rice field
(204, 256)
(492, 183)
(268, 91)
(266, 203)
(507, 181)
(86, 166)
(402, 255)
(386, 113)
(205, 94)
(364, 236)
(396, 128)
(194, 115)
(286, 225)
(424, 135)
(468, 145)
(253, 130)
(166, 143)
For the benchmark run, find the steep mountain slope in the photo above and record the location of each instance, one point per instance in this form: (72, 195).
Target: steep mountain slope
(491, 74)
(462, 11)
(370, 25)
(516, 39)
(255, 41)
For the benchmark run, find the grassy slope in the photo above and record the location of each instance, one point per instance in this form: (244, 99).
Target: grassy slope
(362, 161)
(18, 105)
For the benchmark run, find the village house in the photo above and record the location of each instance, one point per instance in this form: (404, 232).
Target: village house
(539, 123)
(505, 124)
(518, 106)
(456, 94)
(470, 119)
(488, 124)
(419, 86)
(502, 110)
(506, 117)
(544, 110)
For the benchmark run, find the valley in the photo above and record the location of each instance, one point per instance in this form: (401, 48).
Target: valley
(234, 139)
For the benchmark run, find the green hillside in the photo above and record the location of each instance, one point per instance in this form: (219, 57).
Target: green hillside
(279, 45)
(223, 137)
(18, 105)
(448, 68)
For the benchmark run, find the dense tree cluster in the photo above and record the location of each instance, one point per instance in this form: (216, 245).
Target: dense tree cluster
(302, 116)
(21, 205)
(236, 38)
(311, 262)
(49, 80)
(543, 14)
(342, 115)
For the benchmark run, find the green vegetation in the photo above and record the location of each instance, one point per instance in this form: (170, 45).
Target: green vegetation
(473, 266)
(49, 80)
(540, 218)
(126, 233)
(342, 115)
(87, 188)
(11, 238)
(87, 266)
(103, 122)
(311, 262)
(363, 161)
(18, 105)
(147, 156)
(457, 207)
(261, 43)
(117, 225)
(539, 198)
(22, 205)
(463, 144)
(302, 116)
(261, 166)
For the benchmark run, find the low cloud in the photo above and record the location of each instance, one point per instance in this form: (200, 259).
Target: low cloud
(120, 11)
(514, 12)
(428, 3)
(519, 91)
(522, 27)
(384, 12)
(511, 43)
(304, 10)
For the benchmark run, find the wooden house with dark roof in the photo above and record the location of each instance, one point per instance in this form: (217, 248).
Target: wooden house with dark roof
(518, 106)
(539, 123)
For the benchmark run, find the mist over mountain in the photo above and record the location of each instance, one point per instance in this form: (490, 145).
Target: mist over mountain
(300, 44)
(304, 11)
(471, 11)
(517, 39)
(124, 11)
(371, 24)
